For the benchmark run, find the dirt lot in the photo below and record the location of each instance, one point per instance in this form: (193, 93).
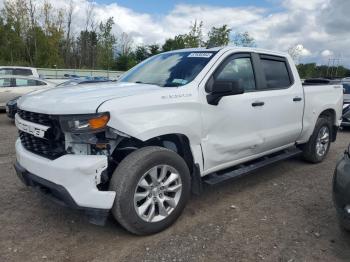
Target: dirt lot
(281, 213)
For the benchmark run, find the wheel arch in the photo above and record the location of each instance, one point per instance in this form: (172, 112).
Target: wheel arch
(177, 142)
(331, 115)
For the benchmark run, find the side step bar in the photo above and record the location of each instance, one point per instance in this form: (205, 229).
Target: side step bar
(249, 167)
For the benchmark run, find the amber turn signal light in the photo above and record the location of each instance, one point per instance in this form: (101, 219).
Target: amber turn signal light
(99, 122)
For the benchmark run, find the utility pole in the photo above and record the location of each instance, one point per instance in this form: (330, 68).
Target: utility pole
(339, 61)
(329, 61)
(333, 66)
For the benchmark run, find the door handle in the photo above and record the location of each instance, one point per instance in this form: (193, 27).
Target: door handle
(297, 99)
(258, 103)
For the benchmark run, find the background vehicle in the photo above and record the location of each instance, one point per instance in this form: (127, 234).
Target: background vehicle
(346, 86)
(14, 86)
(346, 106)
(177, 120)
(341, 190)
(11, 107)
(19, 70)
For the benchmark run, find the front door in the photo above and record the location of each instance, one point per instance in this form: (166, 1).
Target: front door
(231, 129)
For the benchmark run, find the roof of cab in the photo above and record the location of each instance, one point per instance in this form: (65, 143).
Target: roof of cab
(229, 48)
(18, 67)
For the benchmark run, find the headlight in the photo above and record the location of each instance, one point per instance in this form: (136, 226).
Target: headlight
(13, 101)
(84, 123)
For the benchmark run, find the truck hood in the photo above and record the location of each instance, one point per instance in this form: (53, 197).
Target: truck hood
(79, 99)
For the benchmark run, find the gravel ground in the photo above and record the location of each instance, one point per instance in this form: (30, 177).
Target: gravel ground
(281, 213)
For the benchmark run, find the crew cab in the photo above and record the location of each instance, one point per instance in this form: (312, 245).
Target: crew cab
(19, 70)
(178, 120)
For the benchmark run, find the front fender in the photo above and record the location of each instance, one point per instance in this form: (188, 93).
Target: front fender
(152, 115)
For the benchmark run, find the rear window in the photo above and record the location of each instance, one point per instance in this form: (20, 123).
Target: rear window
(276, 74)
(23, 72)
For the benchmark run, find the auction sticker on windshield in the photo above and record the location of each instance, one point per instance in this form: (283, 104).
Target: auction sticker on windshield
(200, 55)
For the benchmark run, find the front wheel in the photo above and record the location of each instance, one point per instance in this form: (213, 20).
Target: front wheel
(316, 149)
(152, 187)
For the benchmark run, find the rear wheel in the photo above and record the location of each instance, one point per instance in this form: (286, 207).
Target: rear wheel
(316, 149)
(152, 187)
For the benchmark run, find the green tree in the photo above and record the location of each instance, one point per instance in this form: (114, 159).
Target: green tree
(243, 39)
(195, 37)
(153, 49)
(141, 53)
(218, 36)
(175, 43)
(87, 49)
(311, 70)
(125, 62)
(105, 45)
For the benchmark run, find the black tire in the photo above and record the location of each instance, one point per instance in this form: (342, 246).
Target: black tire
(125, 180)
(309, 149)
(344, 222)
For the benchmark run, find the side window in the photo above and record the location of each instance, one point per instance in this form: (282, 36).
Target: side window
(5, 82)
(6, 71)
(22, 82)
(23, 72)
(276, 73)
(238, 69)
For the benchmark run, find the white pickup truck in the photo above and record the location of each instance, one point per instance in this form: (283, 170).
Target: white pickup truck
(178, 120)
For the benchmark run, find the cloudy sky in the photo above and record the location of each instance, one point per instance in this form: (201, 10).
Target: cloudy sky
(320, 26)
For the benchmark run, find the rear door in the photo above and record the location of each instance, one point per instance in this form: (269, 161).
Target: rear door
(282, 98)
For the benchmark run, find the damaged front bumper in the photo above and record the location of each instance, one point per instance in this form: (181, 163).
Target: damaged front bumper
(70, 179)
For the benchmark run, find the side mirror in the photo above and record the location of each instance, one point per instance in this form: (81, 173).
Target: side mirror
(220, 88)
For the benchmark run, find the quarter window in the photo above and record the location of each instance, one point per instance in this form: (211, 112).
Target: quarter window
(5, 82)
(276, 74)
(241, 70)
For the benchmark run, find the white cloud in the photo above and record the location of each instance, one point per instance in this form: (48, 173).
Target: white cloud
(317, 25)
(305, 4)
(326, 53)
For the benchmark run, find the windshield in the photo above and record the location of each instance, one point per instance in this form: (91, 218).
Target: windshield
(169, 69)
(346, 87)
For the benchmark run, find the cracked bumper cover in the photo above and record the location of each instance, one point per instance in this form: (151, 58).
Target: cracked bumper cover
(71, 178)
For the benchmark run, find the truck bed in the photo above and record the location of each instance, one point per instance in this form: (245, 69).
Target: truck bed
(317, 98)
